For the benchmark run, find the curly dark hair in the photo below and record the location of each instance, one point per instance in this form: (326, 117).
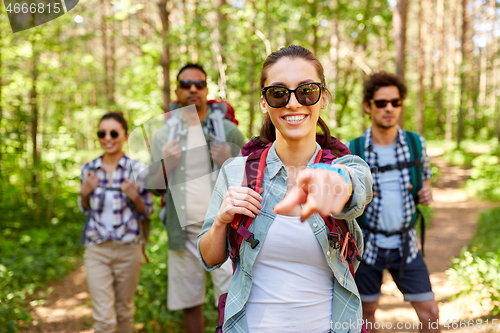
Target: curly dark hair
(379, 80)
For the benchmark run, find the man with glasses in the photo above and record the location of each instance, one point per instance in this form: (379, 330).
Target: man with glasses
(401, 179)
(188, 157)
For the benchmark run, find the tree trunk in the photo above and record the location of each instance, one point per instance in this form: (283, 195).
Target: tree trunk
(268, 20)
(1, 108)
(439, 63)
(105, 53)
(431, 25)
(451, 70)
(35, 181)
(334, 64)
(421, 68)
(1, 114)
(399, 23)
(493, 56)
(165, 52)
(483, 66)
(314, 28)
(253, 83)
(112, 64)
(219, 37)
(463, 73)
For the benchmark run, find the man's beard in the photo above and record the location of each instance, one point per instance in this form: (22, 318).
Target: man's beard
(381, 125)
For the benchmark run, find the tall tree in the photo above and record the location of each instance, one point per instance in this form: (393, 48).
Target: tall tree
(452, 37)
(105, 53)
(34, 118)
(463, 73)
(493, 57)
(253, 64)
(112, 63)
(421, 66)
(439, 63)
(483, 68)
(164, 9)
(334, 69)
(400, 14)
(219, 39)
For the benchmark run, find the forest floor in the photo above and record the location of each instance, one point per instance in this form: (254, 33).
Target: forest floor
(68, 307)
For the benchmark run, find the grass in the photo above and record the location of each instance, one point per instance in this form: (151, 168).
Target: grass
(478, 268)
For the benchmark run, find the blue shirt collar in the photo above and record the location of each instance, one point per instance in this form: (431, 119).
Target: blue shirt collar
(401, 139)
(274, 164)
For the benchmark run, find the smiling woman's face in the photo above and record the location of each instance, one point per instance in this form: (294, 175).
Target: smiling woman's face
(109, 144)
(294, 121)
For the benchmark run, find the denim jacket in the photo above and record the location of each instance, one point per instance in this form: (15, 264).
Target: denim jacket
(346, 310)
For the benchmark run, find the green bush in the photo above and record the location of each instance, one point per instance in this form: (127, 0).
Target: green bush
(460, 157)
(485, 176)
(478, 268)
(30, 258)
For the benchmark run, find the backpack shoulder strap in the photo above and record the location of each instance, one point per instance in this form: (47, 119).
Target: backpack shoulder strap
(218, 107)
(415, 146)
(357, 146)
(255, 166)
(215, 123)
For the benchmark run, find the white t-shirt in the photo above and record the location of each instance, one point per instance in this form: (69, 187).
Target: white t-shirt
(198, 184)
(107, 213)
(292, 282)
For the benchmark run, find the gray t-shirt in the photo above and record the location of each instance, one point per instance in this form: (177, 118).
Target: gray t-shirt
(391, 214)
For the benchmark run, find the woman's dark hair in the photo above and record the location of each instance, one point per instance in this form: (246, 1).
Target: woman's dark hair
(268, 131)
(118, 116)
(379, 80)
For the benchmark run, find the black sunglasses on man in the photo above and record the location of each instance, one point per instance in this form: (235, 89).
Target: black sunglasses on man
(186, 84)
(382, 103)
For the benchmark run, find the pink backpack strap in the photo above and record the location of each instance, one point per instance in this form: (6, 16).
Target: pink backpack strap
(255, 166)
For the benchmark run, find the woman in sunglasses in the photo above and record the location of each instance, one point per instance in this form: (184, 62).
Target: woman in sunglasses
(294, 279)
(115, 201)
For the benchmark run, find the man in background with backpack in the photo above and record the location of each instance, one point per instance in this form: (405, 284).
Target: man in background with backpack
(190, 152)
(401, 174)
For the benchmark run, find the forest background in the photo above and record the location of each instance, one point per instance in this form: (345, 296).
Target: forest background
(57, 79)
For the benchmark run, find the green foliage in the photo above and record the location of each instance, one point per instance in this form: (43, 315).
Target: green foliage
(478, 268)
(460, 157)
(485, 176)
(30, 258)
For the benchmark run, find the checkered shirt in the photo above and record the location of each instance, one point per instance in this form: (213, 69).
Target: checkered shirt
(125, 221)
(373, 210)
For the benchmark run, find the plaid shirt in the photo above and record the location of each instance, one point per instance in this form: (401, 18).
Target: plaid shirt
(346, 302)
(373, 210)
(125, 226)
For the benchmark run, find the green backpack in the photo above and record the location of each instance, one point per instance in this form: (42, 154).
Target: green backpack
(357, 147)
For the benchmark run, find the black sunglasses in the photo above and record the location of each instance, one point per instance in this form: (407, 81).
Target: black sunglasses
(382, 103)
(186, 84)
(306, 93)
(102, 134)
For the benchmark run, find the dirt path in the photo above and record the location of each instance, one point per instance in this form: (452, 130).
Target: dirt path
(452, 226)
(68, 308)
